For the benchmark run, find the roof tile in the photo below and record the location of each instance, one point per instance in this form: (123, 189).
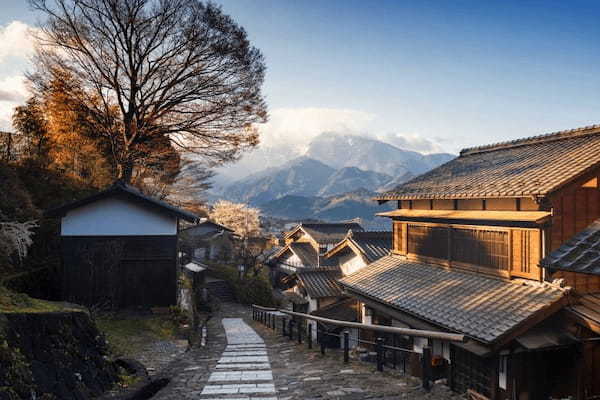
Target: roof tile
(478, 306)
(527, 167)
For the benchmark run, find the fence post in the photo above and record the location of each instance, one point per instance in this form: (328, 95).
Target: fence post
(269, 319)
(426, 366)
(379, 348)
(291, 329)
(283, 326)
(299, 332)
(395, 352)
(310, 336)
(321, 342)
(346, 346)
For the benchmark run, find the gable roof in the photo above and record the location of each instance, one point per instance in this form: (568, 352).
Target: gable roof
(483, 308)
(206, 226)
(320, 282)
(535, 166)
(305, 252)
(343, 310)
(128, 192)
(372, 245)
(581, 253)
(326, 232)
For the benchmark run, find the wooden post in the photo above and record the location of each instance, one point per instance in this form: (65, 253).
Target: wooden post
(291, 329)
(310, 336)
(346, 346)
(322, 343)
(426, 367)
(379, 347)
(394, 352)
(299, 332)
(283, 326)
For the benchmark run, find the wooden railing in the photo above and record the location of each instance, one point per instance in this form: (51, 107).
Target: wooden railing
(288, 320)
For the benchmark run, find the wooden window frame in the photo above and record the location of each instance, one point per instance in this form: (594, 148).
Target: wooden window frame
(450, 263)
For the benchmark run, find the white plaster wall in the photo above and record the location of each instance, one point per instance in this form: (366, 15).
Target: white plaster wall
(350, 263)
(293, 260)
(116, 217)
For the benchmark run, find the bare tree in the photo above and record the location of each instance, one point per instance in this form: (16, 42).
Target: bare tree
(151, 68)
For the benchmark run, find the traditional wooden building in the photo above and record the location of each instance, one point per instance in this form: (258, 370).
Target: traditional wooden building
(208, 240)
(359, 249)
(119, 249)
(577, 261)
(468, 238)
(306, 245)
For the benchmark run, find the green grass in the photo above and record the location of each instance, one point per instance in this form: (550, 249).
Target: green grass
(128, 334)
(11, 302)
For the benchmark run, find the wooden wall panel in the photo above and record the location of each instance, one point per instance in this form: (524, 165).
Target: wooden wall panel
(528, 204)
(470, 204)
(573, 211)
(421, 204)
(526, 253)
(443, 204)
(501, 204)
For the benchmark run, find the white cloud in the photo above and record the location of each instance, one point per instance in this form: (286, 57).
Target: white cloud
(414, 142)
(17, 45)
(298, 126)
(16, 40)
(13, 92)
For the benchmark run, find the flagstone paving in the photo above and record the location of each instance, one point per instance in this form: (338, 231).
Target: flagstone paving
(245, 360)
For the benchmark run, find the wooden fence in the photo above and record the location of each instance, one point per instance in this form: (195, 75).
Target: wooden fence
(295, 326)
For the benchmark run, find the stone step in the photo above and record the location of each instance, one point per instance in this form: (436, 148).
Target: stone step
(238, 388)
(242, 359)
(250, 366)
(238, 376)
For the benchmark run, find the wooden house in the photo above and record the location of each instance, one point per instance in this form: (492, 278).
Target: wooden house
(577, 261)
(208, 240)
(359, 249)
(306, 245)
(468, 238)
(119, 249)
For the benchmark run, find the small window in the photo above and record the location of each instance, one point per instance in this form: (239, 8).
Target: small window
(322, 248)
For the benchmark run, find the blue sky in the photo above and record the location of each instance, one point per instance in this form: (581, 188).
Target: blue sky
(427, 75)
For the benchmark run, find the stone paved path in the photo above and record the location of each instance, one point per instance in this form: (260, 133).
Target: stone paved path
(243, 368)
(246, 360)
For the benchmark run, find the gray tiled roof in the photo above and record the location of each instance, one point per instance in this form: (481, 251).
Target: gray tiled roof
(205, 227)
(305, 252)
(533, 166)
(480, 307)
(331, 232)
(581, 253)
(343, 310)
(373, 244)
(320, 282)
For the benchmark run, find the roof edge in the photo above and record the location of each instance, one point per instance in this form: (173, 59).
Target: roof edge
(547, 137)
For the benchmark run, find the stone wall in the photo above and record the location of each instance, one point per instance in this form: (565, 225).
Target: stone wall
(58, 355)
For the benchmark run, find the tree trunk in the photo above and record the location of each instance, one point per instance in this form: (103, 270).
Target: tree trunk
(125, 171)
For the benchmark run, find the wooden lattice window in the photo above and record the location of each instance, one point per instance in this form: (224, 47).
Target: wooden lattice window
(428, 241)
(486, 248)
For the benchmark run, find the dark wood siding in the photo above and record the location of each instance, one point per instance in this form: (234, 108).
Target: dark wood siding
(428, 241)
(481, 247)
(471, 372)
(120, 271)
(574, 208)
